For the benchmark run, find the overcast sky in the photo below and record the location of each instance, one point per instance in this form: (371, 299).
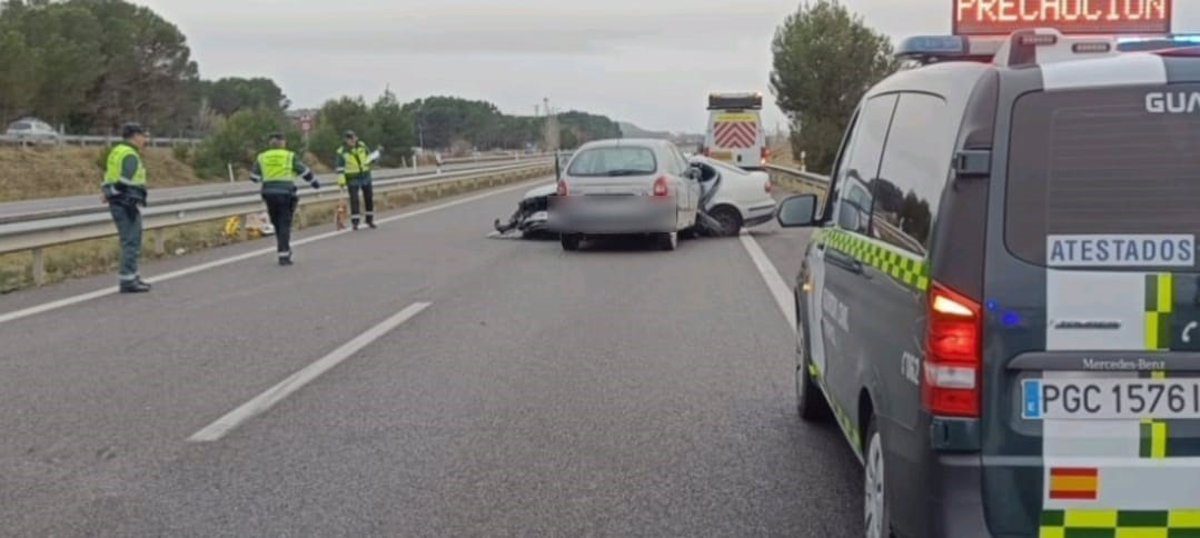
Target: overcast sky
(651, 62)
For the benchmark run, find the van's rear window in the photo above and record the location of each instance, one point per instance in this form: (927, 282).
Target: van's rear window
(1111, 162)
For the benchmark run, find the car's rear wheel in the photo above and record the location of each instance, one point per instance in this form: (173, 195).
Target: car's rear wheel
(730, 219)
(876, 511)
(668, 241)
(570, 242)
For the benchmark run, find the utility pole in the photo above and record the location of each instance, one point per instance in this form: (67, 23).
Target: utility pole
(552, 133)
(421, 127)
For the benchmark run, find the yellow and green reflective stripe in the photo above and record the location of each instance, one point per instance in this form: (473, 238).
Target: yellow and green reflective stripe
(1160, 305)
(906, 268)
(849, 427)
(1153, 443)
(1120, 524)
(1154, 439)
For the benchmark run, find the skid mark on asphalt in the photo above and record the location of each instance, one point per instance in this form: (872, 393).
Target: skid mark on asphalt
(265, 401)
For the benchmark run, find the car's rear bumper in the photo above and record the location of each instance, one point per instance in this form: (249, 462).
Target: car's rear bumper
(637, 215)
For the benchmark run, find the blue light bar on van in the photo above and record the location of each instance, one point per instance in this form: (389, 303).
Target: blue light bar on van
(1138, 44)
(933, 46)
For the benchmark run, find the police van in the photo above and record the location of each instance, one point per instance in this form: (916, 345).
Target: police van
(735, 133)
(1000, 307)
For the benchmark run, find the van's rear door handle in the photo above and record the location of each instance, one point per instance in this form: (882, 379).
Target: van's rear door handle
(845, 261)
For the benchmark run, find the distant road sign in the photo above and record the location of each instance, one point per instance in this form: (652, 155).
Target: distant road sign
(1003, 17)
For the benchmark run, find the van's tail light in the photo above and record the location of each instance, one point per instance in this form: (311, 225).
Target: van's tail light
(766, 155)
(954, 356)
(769, 187)
(661, 187)
(707, 152)
(563, 191)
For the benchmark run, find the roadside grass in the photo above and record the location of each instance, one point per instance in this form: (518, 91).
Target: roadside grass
(100, 256)
(30, 173)
(48, 172)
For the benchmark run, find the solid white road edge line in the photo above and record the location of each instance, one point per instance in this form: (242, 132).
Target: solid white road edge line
(265, 401)
(91, 296)
(779, 288)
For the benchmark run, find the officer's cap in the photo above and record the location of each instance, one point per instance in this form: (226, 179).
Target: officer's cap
(349, 134)
(130, 130)
(276, 137)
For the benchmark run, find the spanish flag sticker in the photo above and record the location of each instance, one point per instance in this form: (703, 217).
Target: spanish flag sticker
(1070, 484)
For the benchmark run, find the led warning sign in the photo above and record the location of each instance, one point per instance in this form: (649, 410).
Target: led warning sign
(1002, 17)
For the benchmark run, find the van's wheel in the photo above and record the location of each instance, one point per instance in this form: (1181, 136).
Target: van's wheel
(810, 404)
(877, 517)
(668, 241)
(570, 242)
(730, 219)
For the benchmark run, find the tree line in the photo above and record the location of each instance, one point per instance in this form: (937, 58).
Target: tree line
(825, 60)
(91, 65)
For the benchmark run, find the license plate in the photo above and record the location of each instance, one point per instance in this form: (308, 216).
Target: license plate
(1111, 399)
(721, 155)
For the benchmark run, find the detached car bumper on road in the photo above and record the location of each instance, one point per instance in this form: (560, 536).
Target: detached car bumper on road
(614, 215)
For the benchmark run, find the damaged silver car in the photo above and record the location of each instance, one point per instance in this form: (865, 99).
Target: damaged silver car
(532, 218)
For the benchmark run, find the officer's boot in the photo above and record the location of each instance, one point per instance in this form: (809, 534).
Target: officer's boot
(371, 222)
(285, 259)
(134, 286)
(354, 223)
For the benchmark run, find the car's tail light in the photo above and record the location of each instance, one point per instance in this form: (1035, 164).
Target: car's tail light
(707, 152)
(563, 191)
(661, 188)
(954, 356)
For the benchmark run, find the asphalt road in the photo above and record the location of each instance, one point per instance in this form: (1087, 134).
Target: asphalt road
(618, 391)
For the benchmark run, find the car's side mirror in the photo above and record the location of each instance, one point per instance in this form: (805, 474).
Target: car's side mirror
(798, 211)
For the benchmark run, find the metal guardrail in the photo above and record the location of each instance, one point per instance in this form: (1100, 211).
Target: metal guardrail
(243, 188)
(494, 157)
(808, 179)
(38, 234)
(87, 140)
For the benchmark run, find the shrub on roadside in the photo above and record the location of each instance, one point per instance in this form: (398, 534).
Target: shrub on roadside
(182, 153)
(240, 139)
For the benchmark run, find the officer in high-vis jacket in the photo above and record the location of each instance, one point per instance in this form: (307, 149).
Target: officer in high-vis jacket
(354, 161)
(124, 190)
(277, 170)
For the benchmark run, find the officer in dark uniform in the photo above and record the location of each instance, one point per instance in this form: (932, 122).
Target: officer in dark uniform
(124, 190)
(277, 169)
(354, 162)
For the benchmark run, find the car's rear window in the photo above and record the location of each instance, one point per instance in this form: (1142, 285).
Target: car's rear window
(1119, 165)
(21, 126)
(614, 162)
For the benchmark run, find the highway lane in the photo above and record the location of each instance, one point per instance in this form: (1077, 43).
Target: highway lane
(618, 391)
